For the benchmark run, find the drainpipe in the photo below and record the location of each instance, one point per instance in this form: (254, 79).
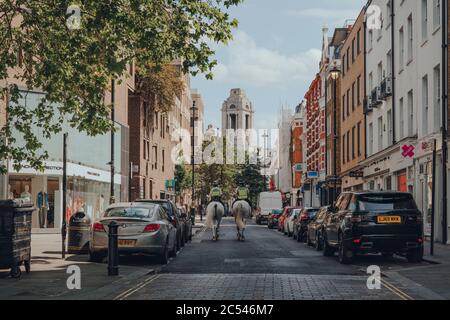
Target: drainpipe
(444, 118)
(394, 140)
(365, 83)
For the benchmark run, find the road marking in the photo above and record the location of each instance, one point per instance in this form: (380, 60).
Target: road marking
(136, 288)
(396, 291)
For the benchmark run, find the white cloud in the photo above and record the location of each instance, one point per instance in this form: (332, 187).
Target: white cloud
(329, 16)
(250, 64)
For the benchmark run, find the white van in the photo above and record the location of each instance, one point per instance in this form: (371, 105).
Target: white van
(267, 201)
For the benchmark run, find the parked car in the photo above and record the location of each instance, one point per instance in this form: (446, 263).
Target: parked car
(300, 224)
(175, 218)
(375, 222)
(143, 228)
(315, 231)
(273, 218)
(267, 201)
(286, 212)
(289, 221)
(185, 217)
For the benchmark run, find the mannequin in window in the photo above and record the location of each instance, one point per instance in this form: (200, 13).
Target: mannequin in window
(26, 195)
(42, 205)
(10, 193)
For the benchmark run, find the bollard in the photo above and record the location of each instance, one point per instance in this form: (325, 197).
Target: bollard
(113, 249)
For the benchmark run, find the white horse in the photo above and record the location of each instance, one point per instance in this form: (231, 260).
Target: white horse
(241, 211)
(214, 214)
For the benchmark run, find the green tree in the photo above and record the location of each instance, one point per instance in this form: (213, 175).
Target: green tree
(182, 179)
(74, 66)
(250, 175)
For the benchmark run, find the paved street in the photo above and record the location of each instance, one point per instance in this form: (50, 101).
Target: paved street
(268, 266)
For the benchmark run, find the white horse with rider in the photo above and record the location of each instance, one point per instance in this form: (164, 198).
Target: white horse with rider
(214, 213)
(241, 211)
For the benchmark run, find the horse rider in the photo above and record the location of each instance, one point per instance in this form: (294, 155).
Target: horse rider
(243, 193)
(216, 195)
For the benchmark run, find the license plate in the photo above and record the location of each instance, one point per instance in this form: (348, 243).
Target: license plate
(389, 219)
(127, 243)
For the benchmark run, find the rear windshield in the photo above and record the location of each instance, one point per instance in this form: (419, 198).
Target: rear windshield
(277, 212)
(386, 202)
(134, 212)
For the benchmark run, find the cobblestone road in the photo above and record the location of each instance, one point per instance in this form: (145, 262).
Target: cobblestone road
(267, 266)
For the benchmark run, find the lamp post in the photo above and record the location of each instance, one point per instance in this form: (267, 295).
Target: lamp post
(113, 94)
(193, 119)
(335, 72)
(265, 136)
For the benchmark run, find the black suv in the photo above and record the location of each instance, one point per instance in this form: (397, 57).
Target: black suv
(175, 217)
(374, 222)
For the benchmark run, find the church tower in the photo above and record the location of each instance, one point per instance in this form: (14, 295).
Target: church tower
(237, 112)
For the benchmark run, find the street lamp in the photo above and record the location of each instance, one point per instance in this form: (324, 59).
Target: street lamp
(194, 117)
(335, 72)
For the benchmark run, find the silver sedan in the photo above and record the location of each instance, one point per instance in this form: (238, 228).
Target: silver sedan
(143, 228)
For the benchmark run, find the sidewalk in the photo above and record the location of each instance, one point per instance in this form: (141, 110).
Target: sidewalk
(48, 277)
(433, 277)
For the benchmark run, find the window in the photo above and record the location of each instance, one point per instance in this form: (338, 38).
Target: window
(358, 90)
(401, 40)
(380, 133)
(437, 98)
(348, 103)
(353, 143)
(436, 13)
(155, 158)
(380, 73)
(358, 42)
(402, 119)
(370, 146)
(343, 65)
(410, 38)
(348, 59)
(389, 63)
(353, 50)
(353, 96)
(343, 149)
(410, 114)
(359, 139)
(389, 126)
(425, 105)
(370, 40)
(348, 146)
(424, 20)
(163, 159)
(343, 107)
(370, 81)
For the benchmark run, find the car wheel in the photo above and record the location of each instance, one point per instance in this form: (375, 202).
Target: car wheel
(178, 245)
(319, 242)
(345, 254)
(183, 241)
(388, 255)
(95, 257)
(308, 240)
(415, 255)
(164, 257)
(328, 251)
(173, 252)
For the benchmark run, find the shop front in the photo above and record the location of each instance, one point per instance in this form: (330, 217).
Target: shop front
(87, 191)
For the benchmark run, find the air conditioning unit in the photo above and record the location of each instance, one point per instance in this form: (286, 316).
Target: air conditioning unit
(388, 91)
(379, 95)
(368, 104)
(386, 87)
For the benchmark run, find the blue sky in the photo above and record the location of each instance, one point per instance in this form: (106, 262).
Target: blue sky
(274, 55)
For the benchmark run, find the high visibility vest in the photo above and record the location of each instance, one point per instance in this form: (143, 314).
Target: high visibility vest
(242, 193)
(216, 192)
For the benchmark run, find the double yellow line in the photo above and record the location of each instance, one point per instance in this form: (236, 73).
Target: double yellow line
(396, 291)
(136, 288)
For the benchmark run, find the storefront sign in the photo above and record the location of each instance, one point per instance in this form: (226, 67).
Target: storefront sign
(356, 174)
